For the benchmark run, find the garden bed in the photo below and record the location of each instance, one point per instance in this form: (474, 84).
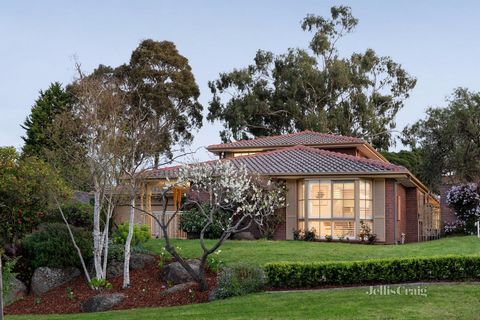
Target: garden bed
(146, 291)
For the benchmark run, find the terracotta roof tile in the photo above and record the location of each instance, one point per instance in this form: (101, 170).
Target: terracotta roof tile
(300, 138)
(302, 160)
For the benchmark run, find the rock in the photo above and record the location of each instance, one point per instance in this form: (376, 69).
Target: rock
(175, 273)
(140, 260)
(179, 287)
(101, 302)
(45, 278)
(18, 290)
(245, 235)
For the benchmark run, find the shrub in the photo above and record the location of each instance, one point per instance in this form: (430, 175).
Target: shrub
(239, 280)
(305, 235)
(77, 214)
(465, 201)
(140, 234)
(7, 275)
(52, 246)
(299, 275)
(456, 227)
(192, 221)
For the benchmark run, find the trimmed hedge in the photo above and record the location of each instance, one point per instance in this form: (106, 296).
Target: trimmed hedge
(304, 275)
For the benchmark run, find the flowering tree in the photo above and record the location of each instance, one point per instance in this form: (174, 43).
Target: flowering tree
(220, 187)
(465, 201)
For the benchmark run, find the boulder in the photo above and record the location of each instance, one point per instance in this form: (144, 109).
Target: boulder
(101, 302)
(140, 260)
(45, 279)
(244, 235)
(18, 290)
(179, 287)
(175, 273)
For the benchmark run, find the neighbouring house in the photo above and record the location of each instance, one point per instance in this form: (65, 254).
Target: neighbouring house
(333, 182)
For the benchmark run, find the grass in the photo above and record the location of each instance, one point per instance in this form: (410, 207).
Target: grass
(452, 301)
(262, 251)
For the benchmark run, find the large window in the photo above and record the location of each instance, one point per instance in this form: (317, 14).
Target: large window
(334, 207)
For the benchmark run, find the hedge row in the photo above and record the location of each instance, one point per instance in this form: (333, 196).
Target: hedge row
(304, 275)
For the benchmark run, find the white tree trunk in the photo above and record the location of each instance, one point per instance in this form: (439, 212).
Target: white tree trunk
(97, 238)
(126, 265)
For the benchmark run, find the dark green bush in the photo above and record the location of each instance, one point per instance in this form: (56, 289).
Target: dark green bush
(192, 221)
(77, 214)
(239, 280)
(304, 275)
(52, 246)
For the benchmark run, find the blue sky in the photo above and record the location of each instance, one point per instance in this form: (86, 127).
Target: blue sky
(436, 41)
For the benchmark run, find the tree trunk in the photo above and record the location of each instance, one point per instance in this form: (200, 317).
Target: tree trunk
(126, 264)
(1, 288)
(97, 247)
(202, 281)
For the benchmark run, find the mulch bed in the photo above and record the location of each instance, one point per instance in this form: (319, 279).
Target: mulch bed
(146, 291)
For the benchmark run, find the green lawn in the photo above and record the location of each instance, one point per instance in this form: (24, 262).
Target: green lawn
(262, 251)
(442, 302)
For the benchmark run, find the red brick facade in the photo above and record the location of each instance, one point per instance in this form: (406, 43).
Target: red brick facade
(412, 215)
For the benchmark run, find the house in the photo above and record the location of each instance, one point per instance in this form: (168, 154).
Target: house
(333, 182)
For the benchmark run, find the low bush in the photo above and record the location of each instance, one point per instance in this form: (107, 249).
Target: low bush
(239, 280)
(192, 221)
(52, 246)
(7, 275)
(304, 275)
(77, 214)
(140, 234)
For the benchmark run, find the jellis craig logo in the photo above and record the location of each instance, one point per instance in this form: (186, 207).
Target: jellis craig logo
(387, 290)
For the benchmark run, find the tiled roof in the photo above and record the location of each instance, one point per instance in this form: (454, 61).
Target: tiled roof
(302, 160)
(306, 138)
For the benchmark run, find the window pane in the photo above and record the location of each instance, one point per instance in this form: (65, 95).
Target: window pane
(338, 190)
(348, 208)
(301, 209)
(314, 226)
(301, 190)
(314, 190)
(325, 228)
(324, 192)
(325, 209)
(362, 189)
(301, 225)
(348, 190)
(344, 229)
(313, 208)
(368, 189)
(338, 208)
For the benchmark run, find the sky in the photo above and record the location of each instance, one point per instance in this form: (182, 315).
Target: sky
(435, 41)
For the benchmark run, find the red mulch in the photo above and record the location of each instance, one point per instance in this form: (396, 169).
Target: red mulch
(146, 291)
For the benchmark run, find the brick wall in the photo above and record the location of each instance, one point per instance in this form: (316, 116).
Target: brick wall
(401, 202)
(389, 211)
(412, 215)
(281, 232)
(446, 214)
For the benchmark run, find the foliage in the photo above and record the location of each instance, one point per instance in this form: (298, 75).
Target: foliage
(193, 221)
(313, 89)
(270, 224)
(239, 280)
(366, 233)
(308, 235)
(26, 186)
(455, 227)
(215, 262)
(447, 139)
(52, 246)
(465, 201)
(140, 234)
(304, 275)
(77, 214)
(45, 139)
(100, 284)
(410, 159)
(7, 274)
